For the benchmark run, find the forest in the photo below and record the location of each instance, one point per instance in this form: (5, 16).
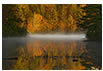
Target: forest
(22, 19)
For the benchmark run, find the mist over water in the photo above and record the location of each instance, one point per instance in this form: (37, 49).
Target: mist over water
(58, 36)
(51, 51)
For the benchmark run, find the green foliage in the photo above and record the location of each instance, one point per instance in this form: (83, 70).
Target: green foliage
(92, 21)
(12, 30)
(13, 15)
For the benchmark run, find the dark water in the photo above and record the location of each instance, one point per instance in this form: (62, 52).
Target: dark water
(46, 54)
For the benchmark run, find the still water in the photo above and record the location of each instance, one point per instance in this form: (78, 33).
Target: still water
(51, 52)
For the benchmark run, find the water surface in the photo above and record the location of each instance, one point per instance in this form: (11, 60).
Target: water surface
(51, 52)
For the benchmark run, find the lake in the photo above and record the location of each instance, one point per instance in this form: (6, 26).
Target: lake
(51, 52)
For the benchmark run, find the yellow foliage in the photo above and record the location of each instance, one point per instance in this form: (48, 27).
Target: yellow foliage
(34, 23)
(62, 26)
(37, 19)
(83, 5)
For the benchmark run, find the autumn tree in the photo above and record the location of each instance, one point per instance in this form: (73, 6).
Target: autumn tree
(41, 18)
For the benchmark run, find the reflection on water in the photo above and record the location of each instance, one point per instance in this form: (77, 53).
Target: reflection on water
(36, 54)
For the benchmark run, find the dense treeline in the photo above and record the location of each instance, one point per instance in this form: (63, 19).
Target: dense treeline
(40, 18)
(20, 19)
(53, 18)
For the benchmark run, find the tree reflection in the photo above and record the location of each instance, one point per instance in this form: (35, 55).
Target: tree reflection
(48, 55)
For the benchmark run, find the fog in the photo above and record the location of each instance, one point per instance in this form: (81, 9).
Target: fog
(58, 36)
